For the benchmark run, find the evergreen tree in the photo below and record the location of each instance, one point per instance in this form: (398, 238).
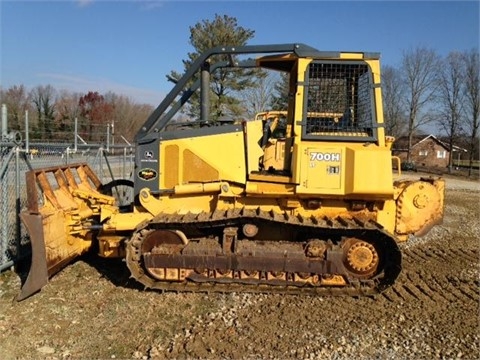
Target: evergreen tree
(225, 83)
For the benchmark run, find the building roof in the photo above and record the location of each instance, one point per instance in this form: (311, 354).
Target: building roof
(401, 144)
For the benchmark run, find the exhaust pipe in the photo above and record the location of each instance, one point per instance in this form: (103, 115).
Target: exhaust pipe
(205, 92)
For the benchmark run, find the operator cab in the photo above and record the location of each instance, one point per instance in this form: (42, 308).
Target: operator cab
(330, 122)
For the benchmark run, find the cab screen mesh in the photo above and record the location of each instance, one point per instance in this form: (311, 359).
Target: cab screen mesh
(339, 100)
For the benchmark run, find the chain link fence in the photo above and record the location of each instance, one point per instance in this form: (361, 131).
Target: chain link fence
(115, 163)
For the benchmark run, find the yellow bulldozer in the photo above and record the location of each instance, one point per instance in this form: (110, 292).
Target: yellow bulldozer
(301, 201)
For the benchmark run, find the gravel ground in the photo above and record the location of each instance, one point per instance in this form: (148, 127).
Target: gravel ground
(93, 310)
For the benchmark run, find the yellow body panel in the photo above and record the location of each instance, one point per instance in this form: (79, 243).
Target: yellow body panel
(351, 170)
(386, 212)
(253, 134)
(202, 159)
(369, 175)
(274, 157)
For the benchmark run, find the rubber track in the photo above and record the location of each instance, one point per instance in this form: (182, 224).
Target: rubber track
(332, 226)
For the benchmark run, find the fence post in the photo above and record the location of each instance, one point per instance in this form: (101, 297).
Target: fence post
(18, 205)
(108, 138)
(75, 140)
(113, 138)
(4, 122)
(100, 163)
(27, 137)
(124, 168)
(67, 155)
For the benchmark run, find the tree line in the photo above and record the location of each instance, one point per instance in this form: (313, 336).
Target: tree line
(52, 113)
(426, 92)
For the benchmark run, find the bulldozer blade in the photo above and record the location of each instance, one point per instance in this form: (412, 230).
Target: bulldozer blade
(55, 226)
(38, 274)
(52, 249)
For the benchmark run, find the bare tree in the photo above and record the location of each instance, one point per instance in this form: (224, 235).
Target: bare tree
(393, 93)
(450, 98)
(67, 109)
(259, 98)
(127, 117)
(281, 92)
(419, 68)
(472, 100)
(52, 113)
(17, 100)
(43, 97)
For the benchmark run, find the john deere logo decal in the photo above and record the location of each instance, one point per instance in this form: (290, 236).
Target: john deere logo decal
(148, 154)
(147, 174)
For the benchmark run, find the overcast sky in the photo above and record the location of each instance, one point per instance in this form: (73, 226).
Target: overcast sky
(129, 46)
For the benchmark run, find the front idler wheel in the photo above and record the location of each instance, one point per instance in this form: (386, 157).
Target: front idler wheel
(160, 243)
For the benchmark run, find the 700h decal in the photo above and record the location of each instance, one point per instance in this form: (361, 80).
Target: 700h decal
(319, 156)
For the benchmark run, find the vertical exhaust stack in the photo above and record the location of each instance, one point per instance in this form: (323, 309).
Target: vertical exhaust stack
(205, 92)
